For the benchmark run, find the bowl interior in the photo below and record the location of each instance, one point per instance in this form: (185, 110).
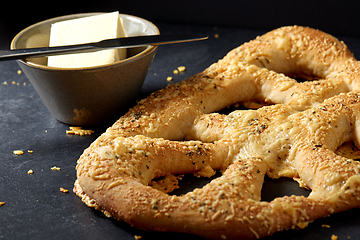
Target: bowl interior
(38, 35)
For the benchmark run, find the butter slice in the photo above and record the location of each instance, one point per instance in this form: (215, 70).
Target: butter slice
(86, 30)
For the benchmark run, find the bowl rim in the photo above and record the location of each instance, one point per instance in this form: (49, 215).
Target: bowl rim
(146, 51)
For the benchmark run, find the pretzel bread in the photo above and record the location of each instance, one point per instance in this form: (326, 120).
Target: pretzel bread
(176, 131)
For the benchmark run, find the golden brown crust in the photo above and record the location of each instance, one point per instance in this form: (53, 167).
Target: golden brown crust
(174, 131)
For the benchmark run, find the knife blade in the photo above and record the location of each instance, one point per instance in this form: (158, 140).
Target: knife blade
(125, 42)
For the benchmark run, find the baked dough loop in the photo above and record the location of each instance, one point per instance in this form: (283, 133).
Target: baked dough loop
(176, 130)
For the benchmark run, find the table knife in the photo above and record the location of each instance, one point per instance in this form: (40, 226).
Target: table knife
(125, 42)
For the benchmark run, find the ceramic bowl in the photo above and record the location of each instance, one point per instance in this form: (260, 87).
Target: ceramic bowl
(91, 95)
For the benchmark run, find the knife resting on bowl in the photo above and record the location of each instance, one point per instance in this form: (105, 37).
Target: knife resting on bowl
(101, 45)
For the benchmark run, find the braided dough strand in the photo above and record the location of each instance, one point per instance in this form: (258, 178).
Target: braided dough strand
(175, 131)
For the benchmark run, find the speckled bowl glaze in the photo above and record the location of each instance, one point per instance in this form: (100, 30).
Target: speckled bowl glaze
(92, 95)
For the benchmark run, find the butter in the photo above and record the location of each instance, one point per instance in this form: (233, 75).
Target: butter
(86, 30)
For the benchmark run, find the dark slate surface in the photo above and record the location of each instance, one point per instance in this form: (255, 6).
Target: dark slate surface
(36, 209)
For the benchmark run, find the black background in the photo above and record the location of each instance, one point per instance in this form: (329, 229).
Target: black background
(335, 17)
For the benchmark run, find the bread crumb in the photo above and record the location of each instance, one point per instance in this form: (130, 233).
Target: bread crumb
(30, 151)
(167, 184)
(325, 226)
(63, 190)
(169, 79)
(138, 237)
(30, 171)
(216, 35)
(334, 237)
(5, 82)
(175, 71)
(55, 168)
(79, 131)
(13, 82)
(19, 72)
(18, 152)
(2, 203)
(181, 68)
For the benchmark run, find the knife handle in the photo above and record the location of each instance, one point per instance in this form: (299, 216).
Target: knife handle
(45, 51)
